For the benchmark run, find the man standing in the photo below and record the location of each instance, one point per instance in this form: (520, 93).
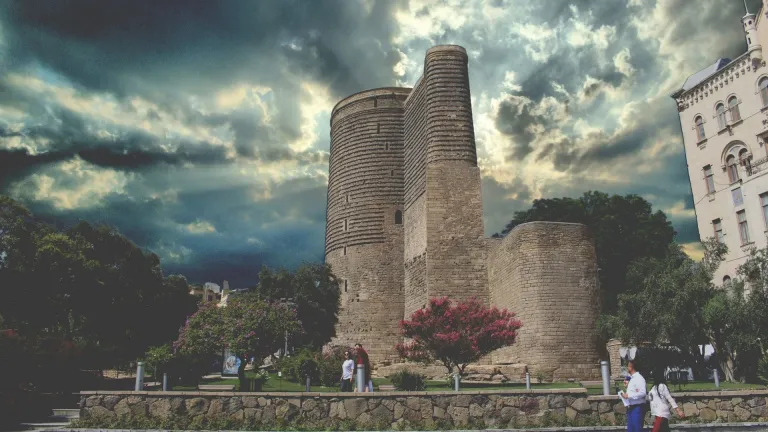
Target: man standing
(347, 369)
(635, 395)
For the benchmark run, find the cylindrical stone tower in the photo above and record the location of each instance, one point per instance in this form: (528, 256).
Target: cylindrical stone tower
(456, 252)
(364, 232)
(546, 272)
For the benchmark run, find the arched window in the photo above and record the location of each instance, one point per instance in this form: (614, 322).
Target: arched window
(700, 126)
(733, 168)
(733, 106)
(764, 90)
(743, 156)
(398, 217)
(720, 110)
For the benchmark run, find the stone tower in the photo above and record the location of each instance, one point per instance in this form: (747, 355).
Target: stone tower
(364, 231)
(444, 245)
(405, 225)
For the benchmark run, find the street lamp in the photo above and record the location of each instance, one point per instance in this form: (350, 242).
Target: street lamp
(291, 304)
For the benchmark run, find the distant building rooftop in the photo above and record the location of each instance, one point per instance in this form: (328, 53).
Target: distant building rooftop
(705, 73)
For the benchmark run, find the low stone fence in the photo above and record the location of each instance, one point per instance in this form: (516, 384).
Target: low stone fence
(492, 409)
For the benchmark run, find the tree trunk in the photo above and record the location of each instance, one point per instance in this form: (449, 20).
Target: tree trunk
(724, 358)
(241, 374)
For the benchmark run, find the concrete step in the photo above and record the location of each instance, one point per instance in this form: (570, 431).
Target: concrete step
(45, 426)
(66, 413)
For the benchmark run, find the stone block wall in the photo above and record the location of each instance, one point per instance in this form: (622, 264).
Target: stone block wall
(546, 273)
(421, 409)
(415, 165)
(364, 244)
(456, 257)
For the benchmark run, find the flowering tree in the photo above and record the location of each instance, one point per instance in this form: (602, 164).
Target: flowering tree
(247, 326)
(456, 333)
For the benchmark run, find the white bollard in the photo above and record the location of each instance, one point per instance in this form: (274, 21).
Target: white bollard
(527, 380)
(456, 379)
(606, 378)
(165, 382)
(139, 376)
(717, 379)
(309, 382)
(361, 378)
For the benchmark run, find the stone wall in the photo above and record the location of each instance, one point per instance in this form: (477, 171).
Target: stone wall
(456, 257)
(546, 273)
(480, 409)
(364, 244)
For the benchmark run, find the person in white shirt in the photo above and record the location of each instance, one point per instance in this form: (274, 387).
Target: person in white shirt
(661, 400)
(635, 395)
(347, 369)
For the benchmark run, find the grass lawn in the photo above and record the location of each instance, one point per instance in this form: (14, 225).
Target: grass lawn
(691, 387)
(276, 384)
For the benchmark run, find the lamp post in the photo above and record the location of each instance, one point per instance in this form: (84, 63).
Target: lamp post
(290, 303)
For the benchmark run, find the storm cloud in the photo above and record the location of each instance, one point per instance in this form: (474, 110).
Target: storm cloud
(202, 133)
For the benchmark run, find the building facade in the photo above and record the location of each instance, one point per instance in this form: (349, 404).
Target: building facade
(405, 225)
(724, 117)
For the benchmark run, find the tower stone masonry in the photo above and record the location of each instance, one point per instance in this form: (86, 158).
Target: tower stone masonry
(405, 224)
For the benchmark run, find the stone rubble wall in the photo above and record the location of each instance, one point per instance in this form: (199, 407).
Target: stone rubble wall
(481, 408)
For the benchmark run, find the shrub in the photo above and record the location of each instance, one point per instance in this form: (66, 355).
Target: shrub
(291, 367)
(406, 380)
(329, 365)
(762, 369)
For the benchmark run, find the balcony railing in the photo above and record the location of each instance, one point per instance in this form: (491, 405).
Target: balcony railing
(754, 167)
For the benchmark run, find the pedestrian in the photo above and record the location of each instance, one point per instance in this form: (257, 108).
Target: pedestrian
(362, 359)
(347, 369)
(661, 400)
(635, 395)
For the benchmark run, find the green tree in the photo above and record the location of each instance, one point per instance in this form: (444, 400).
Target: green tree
(665, 303)
(315, 291)
(88, 284)
(625, 229)
(247, 326)
(737, 320)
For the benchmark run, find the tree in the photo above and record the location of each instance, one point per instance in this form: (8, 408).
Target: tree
(664, 306)
(315, 291)
(738, 321)
(247, 326)
(86, 284)
(456, 333)
(625, 229)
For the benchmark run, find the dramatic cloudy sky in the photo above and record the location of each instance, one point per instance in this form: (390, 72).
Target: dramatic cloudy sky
(200, 129)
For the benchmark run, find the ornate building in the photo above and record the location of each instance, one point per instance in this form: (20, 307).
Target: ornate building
(724, 117)
(405, 224)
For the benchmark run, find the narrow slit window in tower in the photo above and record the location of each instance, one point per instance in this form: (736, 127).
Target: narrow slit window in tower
(392, 172)
(346, 198)
(375, 102)
(345, 224)
(378, 127)
(398, 217)
(345, 285)
(345, 250)
(386, 146)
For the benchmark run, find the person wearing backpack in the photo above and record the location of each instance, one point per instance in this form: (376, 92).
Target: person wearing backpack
(661, 400)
